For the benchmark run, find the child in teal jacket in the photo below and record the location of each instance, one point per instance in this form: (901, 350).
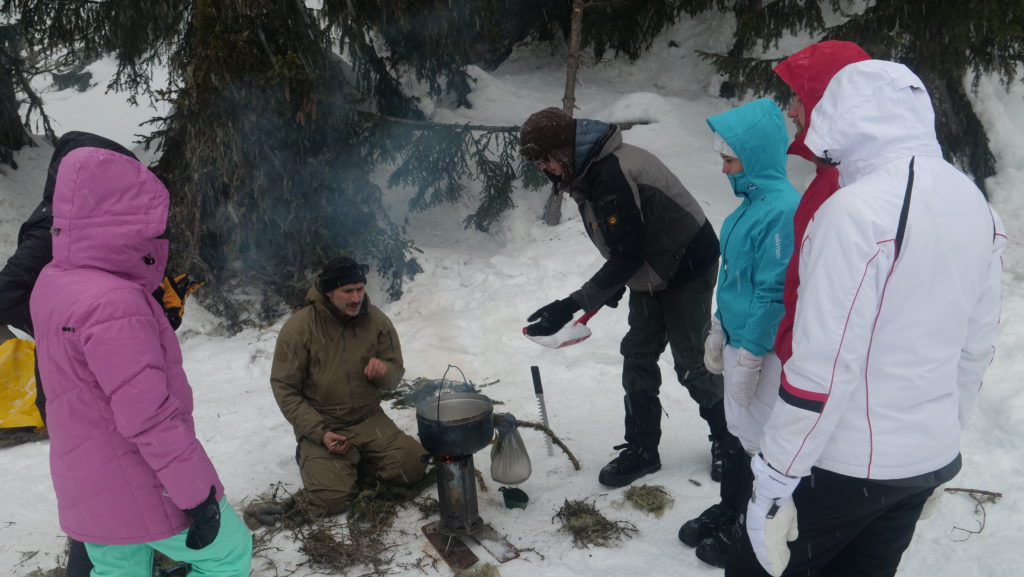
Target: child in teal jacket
(757, 241)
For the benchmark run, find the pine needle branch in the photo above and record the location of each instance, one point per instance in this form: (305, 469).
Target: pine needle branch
(554, 439)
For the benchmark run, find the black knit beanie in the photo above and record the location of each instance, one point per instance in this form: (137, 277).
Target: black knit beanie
(340, 271)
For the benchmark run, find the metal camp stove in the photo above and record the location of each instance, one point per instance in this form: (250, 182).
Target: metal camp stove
(456, 495)
(452, 427)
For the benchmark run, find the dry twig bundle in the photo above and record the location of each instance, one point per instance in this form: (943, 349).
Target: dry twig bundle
(589, 527)
(653, 499)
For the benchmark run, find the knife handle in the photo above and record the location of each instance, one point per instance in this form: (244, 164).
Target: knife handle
(538, 389)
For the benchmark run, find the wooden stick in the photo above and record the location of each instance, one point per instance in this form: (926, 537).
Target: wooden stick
(992, 494)
(554, 439)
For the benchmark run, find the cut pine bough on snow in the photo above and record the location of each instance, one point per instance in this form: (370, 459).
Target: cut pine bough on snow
(554, 439)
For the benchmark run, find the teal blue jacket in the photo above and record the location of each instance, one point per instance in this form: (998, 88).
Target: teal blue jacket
(757, 237)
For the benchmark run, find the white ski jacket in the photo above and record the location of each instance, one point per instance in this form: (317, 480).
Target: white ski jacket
(893, 328)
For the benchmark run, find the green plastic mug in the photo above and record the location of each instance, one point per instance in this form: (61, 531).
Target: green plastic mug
(514, 498)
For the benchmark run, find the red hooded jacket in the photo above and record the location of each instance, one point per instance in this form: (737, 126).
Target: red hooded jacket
(807, 73)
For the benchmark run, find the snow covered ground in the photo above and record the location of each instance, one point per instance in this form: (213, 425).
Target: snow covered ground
(467, 309)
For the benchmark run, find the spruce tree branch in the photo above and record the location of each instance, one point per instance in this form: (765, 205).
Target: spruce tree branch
(34, 102)
(554, 439)
(431, 123)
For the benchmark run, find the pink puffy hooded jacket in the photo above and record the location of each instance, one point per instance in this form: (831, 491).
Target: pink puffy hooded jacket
(124, 456)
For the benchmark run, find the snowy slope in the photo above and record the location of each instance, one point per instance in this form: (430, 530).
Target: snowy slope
(467, 308)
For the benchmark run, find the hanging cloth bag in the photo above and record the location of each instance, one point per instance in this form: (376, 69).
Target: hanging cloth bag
(510, 463)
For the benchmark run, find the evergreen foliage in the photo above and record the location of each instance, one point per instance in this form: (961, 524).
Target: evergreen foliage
(139, 34)
(492, 151)
(13, 135)
(629, 26)
(436, 39)
(282, 112)
(272, 139)
(944, 41)
(265, 151)
(272, 136)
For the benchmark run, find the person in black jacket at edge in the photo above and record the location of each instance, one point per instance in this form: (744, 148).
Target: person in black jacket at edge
(657, 242)
(34, 251)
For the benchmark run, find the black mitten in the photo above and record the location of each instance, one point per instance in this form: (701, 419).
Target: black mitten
(205, 522)
(613, 301)
(551, 318)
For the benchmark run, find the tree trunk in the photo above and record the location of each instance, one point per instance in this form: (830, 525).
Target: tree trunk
(553, 207)
(13, 135)
(573, 64)
(958, 128)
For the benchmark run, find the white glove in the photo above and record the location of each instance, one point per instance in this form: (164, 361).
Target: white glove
(932, 503)
(771, 516)
(713, 348)
(741, 379)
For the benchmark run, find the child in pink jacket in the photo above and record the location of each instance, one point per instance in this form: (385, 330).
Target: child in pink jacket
(129, 473)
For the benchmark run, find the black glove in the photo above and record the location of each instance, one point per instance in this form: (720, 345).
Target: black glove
(551, 318)
(613, 301)
(205, 522)
(171, 295)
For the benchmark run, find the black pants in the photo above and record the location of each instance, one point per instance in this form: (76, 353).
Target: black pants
(40, 394)
(79, 564)
(737, 477)
(678, 317)
(849, 527)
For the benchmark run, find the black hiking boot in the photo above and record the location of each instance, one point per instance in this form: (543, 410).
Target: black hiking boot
(707, 524)
(716, 459)
(715, 417)
(715, 549)
(631, 464)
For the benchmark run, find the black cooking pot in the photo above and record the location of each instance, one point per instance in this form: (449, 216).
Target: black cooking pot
(455, 424)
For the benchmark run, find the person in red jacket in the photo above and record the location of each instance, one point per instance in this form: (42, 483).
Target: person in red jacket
(807, 73)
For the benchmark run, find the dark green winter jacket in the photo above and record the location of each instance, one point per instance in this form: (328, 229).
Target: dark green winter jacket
(317, 374)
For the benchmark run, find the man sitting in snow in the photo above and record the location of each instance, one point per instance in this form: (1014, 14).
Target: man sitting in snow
(656, 241)
(332, 359)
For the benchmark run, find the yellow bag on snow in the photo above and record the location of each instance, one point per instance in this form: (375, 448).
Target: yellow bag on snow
(18, 385)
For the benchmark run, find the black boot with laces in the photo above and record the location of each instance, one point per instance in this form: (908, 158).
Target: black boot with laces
(708, 523)
(631, 464)
(715, 549)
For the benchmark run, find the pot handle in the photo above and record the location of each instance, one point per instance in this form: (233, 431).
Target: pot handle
(441, 386)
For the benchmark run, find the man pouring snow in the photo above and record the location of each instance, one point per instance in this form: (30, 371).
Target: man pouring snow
(657, 242)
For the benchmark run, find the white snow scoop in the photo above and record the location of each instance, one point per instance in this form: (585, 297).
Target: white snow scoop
(570, 334)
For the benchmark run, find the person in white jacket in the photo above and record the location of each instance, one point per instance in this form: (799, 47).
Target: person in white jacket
(898, 309)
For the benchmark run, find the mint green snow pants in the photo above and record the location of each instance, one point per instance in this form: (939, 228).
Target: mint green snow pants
(230, 554)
